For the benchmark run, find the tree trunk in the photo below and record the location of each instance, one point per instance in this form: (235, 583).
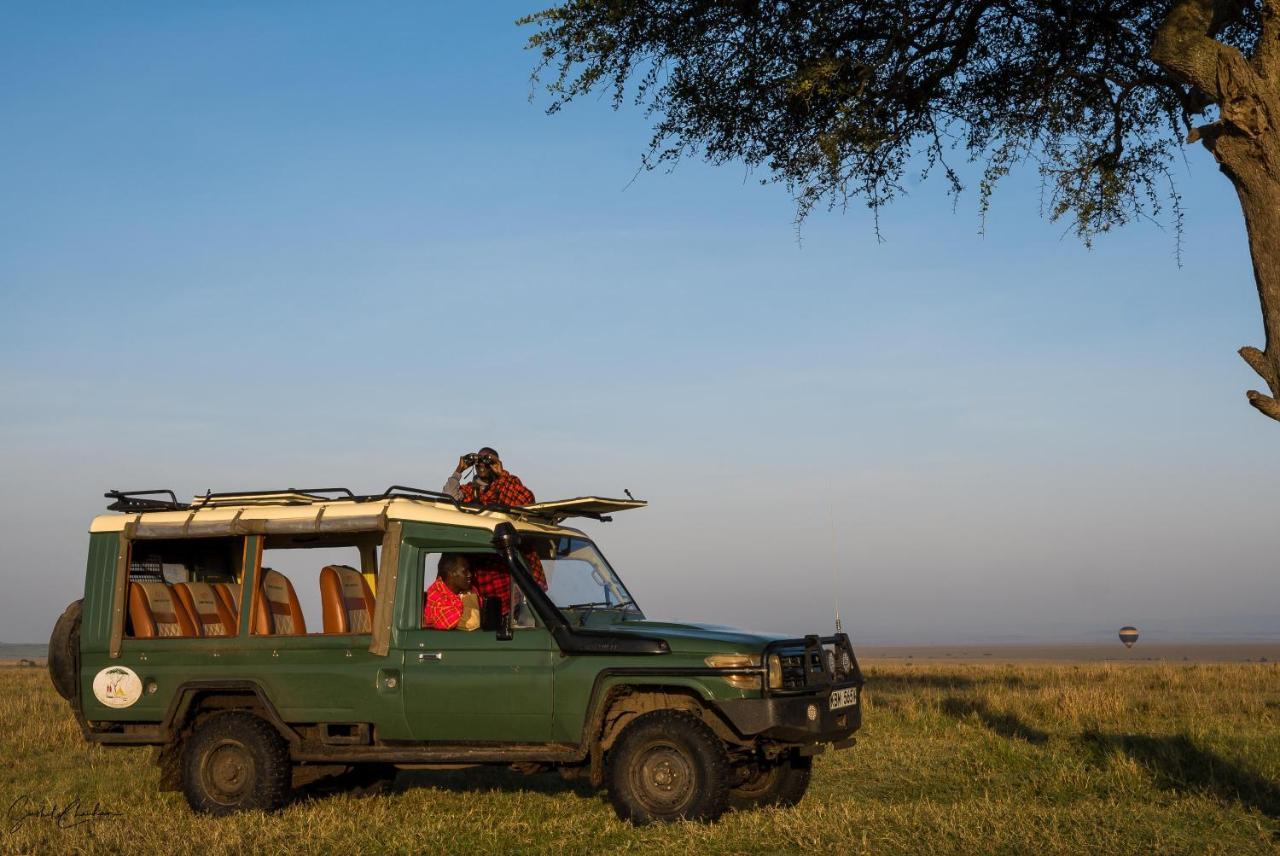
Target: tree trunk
(1245, 141)
(1260, 201)
(1246, 144)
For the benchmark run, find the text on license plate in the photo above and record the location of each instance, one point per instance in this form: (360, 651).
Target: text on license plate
(844, 698)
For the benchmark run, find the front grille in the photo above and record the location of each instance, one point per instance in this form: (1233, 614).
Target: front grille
(805, 667)
(793, 671)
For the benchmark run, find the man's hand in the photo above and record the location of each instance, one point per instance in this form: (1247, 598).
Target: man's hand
(496, 466)
(462, 465)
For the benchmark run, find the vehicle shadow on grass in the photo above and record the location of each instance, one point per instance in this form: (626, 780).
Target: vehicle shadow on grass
(1176, 763)
(376, 782)
(494, 779)
(1007, 725)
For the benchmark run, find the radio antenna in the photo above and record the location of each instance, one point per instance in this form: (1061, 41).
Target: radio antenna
(835, 582)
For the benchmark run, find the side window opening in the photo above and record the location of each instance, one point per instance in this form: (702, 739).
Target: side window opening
(313, 584)
(184, 588)
(491, 587)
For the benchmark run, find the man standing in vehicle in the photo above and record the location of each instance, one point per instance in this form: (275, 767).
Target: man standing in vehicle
(493, 485)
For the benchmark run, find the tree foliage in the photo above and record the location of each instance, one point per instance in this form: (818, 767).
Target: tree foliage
(839, 100)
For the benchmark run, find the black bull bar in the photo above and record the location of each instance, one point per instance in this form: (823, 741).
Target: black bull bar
(801, 713)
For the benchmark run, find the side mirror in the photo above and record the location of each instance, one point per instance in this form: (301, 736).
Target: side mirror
(493, 619)
(490, 614)
(505, 631)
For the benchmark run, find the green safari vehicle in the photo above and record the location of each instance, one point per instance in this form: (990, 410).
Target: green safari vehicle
(191, 637)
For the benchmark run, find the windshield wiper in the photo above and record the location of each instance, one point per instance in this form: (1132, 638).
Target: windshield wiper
(601, 604)
(588, 608)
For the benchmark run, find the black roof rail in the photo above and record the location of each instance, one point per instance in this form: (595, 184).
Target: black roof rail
(460, 504)
(405, 490)
(138, 500)
(311, 494)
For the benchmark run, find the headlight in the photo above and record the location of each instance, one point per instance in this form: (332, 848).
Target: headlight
(737, 661)
(775, 672)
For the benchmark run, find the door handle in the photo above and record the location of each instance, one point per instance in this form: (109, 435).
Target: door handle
(430, 655)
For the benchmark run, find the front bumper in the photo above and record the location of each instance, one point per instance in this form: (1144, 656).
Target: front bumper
(814, 669)
(804, 718)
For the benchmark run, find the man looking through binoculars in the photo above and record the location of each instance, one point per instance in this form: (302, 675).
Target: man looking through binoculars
(493, 485)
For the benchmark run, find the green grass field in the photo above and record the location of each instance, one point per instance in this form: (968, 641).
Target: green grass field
(951, 759)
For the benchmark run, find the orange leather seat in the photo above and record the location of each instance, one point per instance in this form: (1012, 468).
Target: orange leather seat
(208, 610)
(229, 594)
(347, 600)
(156, 612)
(276, 611)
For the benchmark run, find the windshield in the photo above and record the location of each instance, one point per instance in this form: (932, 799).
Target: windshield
(578, 577)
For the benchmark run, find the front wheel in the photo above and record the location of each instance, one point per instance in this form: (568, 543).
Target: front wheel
(668, 766)
(782, 783)
(235, 762)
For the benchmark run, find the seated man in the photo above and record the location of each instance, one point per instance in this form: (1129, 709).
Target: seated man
(450, 602)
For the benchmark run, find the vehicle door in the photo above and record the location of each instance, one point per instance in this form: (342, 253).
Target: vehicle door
(470, 685)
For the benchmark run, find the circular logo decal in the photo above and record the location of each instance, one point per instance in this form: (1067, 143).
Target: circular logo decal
(117, 686)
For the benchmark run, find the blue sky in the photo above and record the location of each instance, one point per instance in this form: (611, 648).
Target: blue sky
(247, 246)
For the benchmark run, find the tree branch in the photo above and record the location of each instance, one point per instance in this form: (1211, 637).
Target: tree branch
(1184, 45)
(1267, 55)
(1258, 361)
(1266, 405)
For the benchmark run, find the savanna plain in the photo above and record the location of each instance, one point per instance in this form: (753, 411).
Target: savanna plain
(952, 758)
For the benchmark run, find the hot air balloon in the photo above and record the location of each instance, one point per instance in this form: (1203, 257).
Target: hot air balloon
(1128, 635)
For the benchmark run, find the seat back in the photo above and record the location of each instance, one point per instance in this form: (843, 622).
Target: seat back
(229, 594)
(155, 611)
(206, 608)
(347, 600)
(277, 611)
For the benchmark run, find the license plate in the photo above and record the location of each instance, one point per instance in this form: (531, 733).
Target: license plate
(844, 698)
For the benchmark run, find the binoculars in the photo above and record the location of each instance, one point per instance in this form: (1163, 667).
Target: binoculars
(475, 457)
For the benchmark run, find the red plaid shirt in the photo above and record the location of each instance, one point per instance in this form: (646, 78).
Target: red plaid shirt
(489, 574)
(506, 489)
(443, 608)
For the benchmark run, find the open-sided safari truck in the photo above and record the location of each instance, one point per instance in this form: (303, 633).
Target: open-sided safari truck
(187, 639)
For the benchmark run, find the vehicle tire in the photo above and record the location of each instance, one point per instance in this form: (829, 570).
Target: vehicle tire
(235, 762)
(781, 784)
(64, 651)
(668, 766)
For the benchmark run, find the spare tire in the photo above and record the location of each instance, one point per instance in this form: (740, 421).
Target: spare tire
(64, 651)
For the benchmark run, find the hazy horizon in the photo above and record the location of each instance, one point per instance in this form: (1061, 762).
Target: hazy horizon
(249, 247)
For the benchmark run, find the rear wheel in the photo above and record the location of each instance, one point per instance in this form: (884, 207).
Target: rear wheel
(64, 651)
(235, 762)
(668, 766)
(781, 783)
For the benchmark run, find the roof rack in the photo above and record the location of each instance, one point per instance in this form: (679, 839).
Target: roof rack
(137, 500)
(287, 496)
(462, 505)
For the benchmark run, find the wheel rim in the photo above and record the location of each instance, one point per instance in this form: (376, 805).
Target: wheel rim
(663, 777)
(228, 772)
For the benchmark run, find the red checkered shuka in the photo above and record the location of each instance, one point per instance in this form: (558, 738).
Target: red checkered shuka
(506, 489)
(490, 574)
(491, 579)
(443, 608)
